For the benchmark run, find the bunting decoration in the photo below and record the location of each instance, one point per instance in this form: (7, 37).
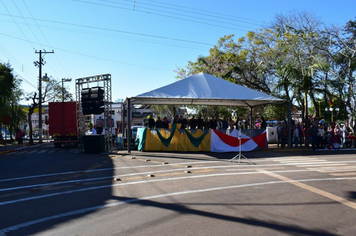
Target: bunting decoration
(221, 142)
(202, 140)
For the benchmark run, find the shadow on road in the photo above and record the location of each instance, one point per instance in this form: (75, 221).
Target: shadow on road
(181, 209)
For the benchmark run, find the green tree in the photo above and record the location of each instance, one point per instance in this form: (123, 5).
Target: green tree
(54, 92)
(343, 54)
(33, 97)
(7, 84)
(296, 57)
(50, 86)
(17, 114)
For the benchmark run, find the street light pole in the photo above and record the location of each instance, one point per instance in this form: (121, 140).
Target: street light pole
(331, 112)
(64, 80)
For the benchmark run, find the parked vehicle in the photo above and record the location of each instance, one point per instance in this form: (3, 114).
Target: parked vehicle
(272, 123)
(62, 123)
(134, 130)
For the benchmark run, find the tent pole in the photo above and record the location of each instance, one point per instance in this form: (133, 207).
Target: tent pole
(123, 123)
(128, 125)
(251, 121)
(289, 124)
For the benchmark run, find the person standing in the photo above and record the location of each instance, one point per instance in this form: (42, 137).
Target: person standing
(213, 123)
(184, 122)
(93, 130)
(296, 136)
(299, 127)
(200, 122)
(225, 125)
(345, 132)
(321, 132)
(19, 136)
(99, 125)
(263, 123)
(193, 123)
(165, 123)
(207, 124)
(284, 139)
(314, 135)
(338, 132)
(231, 124)
(279, 134)
(175, 119)
(151, 122)
(159, 123)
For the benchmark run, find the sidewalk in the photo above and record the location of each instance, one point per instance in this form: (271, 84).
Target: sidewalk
(12, 146)
(273, 147)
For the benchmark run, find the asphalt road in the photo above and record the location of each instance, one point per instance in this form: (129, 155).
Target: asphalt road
(47, 191)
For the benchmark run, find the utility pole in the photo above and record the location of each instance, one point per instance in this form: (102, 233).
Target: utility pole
(39, 63)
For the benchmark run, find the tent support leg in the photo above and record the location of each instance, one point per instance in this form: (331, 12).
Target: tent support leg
(251, 119)
(128, 125)
(289, 124)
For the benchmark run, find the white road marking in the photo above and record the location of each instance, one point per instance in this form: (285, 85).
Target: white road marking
(344, 174)
(309, 160)
(315, 165)
(9, 153)
(156, 180)
(329, 168)
(85, 210)
(344, 169)
(313, 189)
(31, 152)
(20, 153)
(150, 166)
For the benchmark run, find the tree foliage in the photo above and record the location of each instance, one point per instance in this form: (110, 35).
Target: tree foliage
(7, 84)
(49, 94)
(296, 57)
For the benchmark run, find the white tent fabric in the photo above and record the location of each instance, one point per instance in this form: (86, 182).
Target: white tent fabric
(235, 133)
(204, 89)
(218, 145)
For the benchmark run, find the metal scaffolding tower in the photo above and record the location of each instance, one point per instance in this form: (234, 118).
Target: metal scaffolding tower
(103, 81)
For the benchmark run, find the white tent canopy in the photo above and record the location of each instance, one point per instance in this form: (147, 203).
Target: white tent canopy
(204, 89)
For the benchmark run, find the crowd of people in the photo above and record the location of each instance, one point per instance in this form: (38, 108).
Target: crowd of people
(319, 135)
(195, 123)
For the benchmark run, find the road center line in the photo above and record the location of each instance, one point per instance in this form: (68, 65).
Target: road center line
(94, 208)
(312, 189)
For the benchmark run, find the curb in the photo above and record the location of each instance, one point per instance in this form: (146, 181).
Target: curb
(14, 148)
(7, 151)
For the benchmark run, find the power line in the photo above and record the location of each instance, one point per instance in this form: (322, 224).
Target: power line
(196, 12)
(26, 22)
(183, 18)
(16, 23)
(119, 31)
(199, 11)
(44, 36)
(14, 61)
(90, 56)
(21, 77)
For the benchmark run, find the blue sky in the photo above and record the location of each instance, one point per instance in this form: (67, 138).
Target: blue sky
(140, 43)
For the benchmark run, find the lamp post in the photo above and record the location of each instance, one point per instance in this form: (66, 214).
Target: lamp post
(331, 112)
(64, 80)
